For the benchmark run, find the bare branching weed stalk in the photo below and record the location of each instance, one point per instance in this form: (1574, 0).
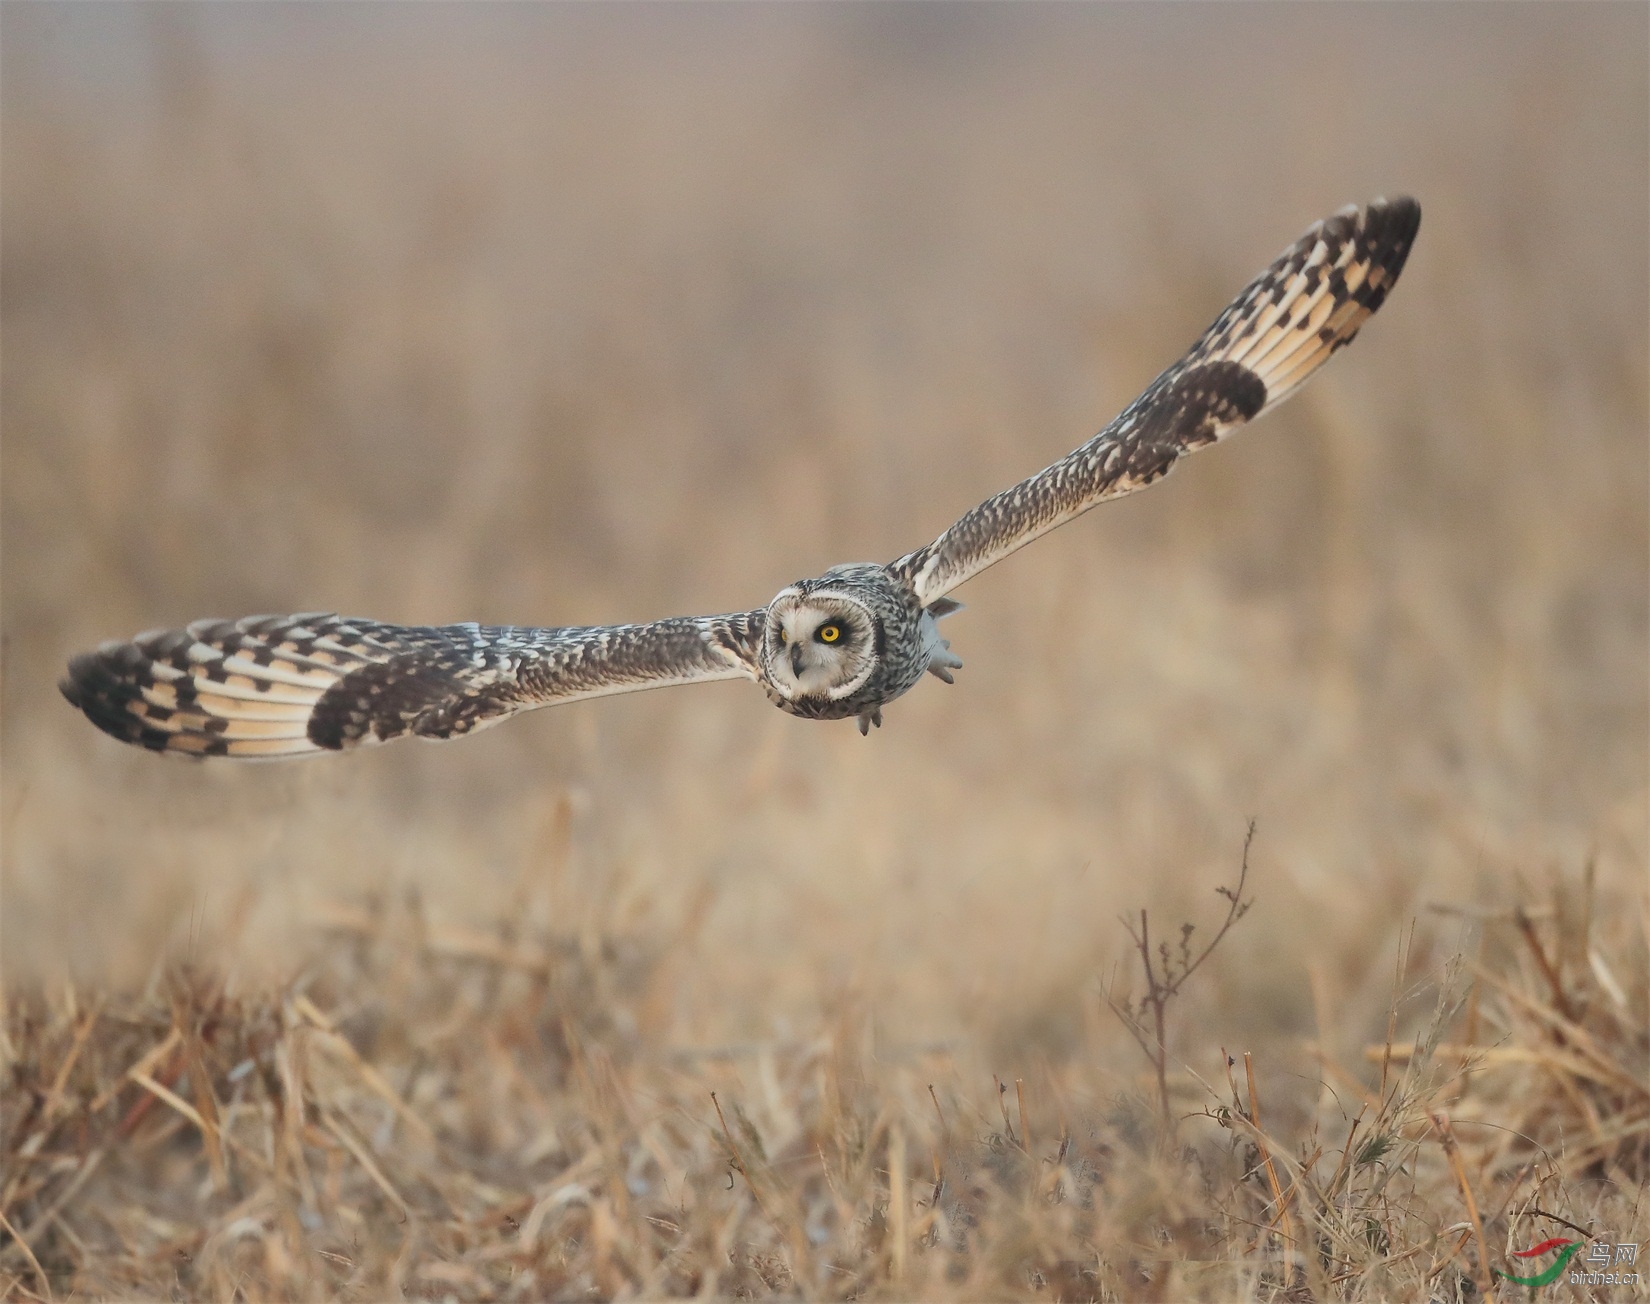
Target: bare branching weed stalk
(1165, 973)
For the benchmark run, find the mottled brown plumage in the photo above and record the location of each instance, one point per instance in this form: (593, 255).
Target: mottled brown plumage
(844, 644)
(1285, 325)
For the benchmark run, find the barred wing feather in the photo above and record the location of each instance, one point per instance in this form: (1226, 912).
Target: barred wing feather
(1282, 328)
(277, 686)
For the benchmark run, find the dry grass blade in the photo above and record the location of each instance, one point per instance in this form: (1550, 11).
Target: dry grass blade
(28, 1254)
(1452, 1150)
(898, 1236)
(83, 1173)
(573, 1161)
(1281, 1203)
(173, 1099)
(353, 1144)
(375, 1080)
(141, 1068)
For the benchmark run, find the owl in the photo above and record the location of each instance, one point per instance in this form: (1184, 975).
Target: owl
(840, 646)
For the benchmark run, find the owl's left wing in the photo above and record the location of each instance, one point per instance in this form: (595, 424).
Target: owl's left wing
(1281, 329)
(278, 686)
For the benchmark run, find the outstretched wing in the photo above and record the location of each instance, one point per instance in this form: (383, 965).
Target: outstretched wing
(1281, 329)
(273, 686)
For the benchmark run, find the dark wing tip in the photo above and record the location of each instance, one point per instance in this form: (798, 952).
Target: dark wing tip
(1390, 228)
(72, 685)
(99, 685)
(93, 679)
(1402, 212)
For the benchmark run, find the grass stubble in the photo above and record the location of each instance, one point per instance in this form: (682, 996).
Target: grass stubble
(440, 1112)
(601, 299)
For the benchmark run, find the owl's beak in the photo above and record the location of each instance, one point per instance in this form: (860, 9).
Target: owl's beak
(796, 659)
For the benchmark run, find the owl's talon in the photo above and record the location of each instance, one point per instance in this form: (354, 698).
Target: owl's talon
(869, 718)
(942, 661)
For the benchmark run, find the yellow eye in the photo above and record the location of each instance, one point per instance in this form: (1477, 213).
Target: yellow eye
(784, 637)
(829, 633)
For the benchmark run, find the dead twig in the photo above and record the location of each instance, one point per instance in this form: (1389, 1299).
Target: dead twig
(1166, 972)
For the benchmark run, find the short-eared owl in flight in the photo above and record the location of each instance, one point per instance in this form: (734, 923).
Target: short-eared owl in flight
(844, 644)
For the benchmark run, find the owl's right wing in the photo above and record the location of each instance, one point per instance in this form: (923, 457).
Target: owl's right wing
(277, 686)
(1276, 333)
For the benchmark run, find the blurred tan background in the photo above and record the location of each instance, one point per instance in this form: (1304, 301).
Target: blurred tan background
(576, 315)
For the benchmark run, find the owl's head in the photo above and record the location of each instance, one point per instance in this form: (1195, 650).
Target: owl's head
(824, 638)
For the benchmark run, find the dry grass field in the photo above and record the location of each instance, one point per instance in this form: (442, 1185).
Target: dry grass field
(583, 314)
